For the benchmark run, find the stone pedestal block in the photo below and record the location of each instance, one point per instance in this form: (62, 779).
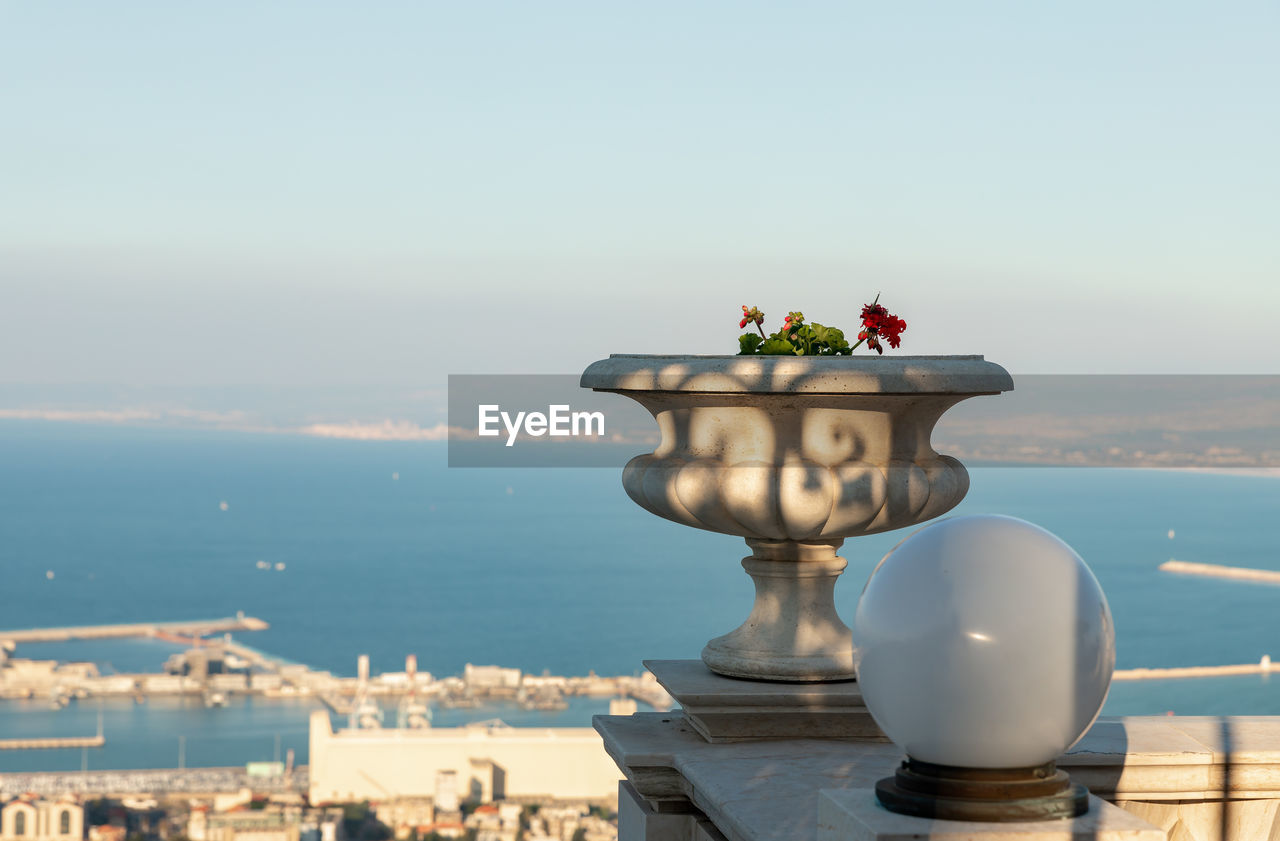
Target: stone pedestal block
(724, 709)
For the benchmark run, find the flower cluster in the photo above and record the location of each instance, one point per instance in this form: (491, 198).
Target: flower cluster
(799, 338)
(878, 323)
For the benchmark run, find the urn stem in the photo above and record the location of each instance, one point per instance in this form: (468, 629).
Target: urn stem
(793, 632)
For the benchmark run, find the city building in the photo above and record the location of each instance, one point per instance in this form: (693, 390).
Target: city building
(406, 815)
(32, 818)
(271, 822)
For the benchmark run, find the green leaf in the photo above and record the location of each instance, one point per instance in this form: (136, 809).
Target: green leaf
(748, 343)
(777, 347)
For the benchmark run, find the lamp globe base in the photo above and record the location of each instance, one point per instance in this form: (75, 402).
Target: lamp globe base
(946, 792)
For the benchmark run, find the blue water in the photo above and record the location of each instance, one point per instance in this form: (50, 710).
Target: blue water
(535, 568)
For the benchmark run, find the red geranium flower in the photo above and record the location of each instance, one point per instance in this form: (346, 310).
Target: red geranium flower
(878, 323)
(879, 326)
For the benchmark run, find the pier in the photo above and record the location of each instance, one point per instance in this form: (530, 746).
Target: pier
(1267, 576)
(1262, 667)
(53, 742)
(198, 628)
(45, 742)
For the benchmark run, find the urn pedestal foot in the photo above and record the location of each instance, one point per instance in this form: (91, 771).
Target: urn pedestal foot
(793, 632)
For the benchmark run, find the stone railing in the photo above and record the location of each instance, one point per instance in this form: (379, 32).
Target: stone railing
(1195, 777)
(725, 767)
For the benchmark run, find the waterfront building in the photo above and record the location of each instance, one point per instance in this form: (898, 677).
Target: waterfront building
(491, 678)
(488, 761)
(31, 818)
(22, 678)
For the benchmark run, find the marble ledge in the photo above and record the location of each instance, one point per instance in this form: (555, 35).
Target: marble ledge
(1179, 758)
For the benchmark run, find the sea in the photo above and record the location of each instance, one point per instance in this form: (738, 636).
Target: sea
(379, 548)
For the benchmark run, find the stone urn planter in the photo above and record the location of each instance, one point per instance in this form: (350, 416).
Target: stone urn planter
(795, 454)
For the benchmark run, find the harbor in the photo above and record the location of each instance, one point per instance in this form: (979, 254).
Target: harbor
(215, 668)
(67, 713)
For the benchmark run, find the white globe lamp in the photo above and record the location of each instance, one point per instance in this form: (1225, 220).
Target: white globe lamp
(984, 649)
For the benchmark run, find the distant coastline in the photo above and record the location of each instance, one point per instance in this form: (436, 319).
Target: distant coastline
(990, 453)
(1218, 423)
(1269, 472)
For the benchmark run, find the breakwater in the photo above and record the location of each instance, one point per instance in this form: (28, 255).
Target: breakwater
(1267, 576)
(162, 630)
(1263, 666)
(47, 742)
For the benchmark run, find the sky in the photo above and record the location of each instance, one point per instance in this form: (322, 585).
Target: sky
(317, 195)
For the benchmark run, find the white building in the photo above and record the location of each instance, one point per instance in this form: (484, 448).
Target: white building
(489, 761)
(491, 677)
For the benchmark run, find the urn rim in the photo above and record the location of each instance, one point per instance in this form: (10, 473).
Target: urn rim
(967, 374)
